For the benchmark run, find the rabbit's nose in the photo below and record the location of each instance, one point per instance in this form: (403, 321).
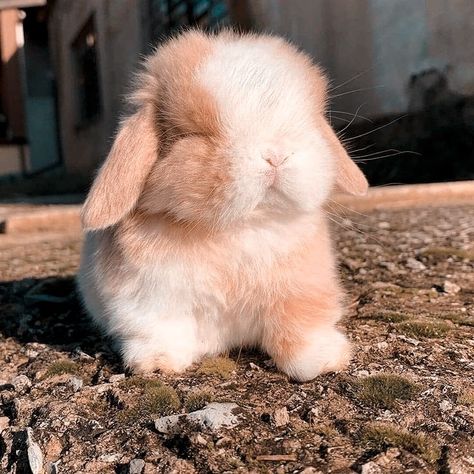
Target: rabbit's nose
(274, 159)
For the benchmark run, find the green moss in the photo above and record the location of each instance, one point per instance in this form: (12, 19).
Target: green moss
(466, 397)
(423, 328)
(198, 399)
(389, 316)
(61, 367)
(153, 398)
(445, 252)
(384, 390)
(381, 436)
(220, 366)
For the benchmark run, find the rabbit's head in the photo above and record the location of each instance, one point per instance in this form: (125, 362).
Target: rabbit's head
(227, 127)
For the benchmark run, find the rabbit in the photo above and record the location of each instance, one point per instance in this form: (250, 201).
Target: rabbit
(205, 227)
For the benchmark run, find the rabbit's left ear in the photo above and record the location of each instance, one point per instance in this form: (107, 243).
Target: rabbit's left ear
(349, 178)
(121, 179)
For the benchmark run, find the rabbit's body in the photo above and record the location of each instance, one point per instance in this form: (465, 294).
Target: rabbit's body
(211, 247)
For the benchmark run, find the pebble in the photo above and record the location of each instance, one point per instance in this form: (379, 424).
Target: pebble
(81, 355)
(214, 416)
(4, 423)
(224, 441)
(136, 466)
(35, 456)
(281, 417)
(75, 383)
(451, 288)
(390, 266)
(371, 468)
(116, 378)
(254, 366)
(415, 264)
(21, 383)
(32, 354)
(445, 405)
(382, 345)
(199, 439)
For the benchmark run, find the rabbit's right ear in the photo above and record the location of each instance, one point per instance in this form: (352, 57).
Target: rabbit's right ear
(121, 178)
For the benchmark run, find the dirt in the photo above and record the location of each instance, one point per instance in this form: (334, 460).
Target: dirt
(406, 403)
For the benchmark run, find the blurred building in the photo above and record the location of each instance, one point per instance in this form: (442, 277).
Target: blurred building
(394, 52)
(97, 46)
(28, 122)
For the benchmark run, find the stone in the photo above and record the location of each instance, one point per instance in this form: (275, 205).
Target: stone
(371, 468)
(213, 416)
(35, 456)
(199, 439)
(415, 264)
(136, 466)
(4, 423)
(21, 383)
(451, 288)
(390, 266)
(254, 366)
(445, 405)
(281, 417)
(75, 383)
(116, 378)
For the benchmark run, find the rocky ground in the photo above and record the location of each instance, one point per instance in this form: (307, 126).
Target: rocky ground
(406, 404)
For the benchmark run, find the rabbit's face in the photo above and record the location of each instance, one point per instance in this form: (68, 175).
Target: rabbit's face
(227, 127)
(241, 138)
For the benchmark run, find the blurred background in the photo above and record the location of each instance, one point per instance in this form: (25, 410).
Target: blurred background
(402, 74)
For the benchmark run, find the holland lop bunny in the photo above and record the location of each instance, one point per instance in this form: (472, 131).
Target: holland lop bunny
(205, 228)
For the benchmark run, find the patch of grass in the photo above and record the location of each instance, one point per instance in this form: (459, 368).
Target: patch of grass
(466, 397)
(444, 252)
(154, 398)
(326, 431)
(221, 366)
(61, 367)
(423, 328)
(457, 318)
(381, 436)
(198, 399)
(384, 390)
(139, 382)
(389, 316)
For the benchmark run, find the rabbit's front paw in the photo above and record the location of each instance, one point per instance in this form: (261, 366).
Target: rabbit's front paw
(144, 357)
(325, 350)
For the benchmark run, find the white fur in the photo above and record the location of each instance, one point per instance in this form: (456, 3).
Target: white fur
(169, 312)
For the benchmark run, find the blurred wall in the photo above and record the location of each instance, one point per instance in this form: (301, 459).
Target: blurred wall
(385, 41)
(119, 44)
(11, 95)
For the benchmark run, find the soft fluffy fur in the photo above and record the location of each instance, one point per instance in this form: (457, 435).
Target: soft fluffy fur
(205, 228)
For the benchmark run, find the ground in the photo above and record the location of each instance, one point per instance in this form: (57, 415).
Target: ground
(406, 403)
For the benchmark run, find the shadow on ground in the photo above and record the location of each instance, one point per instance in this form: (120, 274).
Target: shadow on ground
(48, 311)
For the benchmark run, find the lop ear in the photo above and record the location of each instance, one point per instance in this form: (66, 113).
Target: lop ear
(349, 178)
(121, 178)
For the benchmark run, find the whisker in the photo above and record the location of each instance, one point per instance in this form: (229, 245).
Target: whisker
(378, 128)
(361, 159)
(351, 114)
(353, 118)
(355, 90)
(348, 81)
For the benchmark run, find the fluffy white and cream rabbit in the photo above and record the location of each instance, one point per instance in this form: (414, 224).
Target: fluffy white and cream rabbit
(205, 228)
